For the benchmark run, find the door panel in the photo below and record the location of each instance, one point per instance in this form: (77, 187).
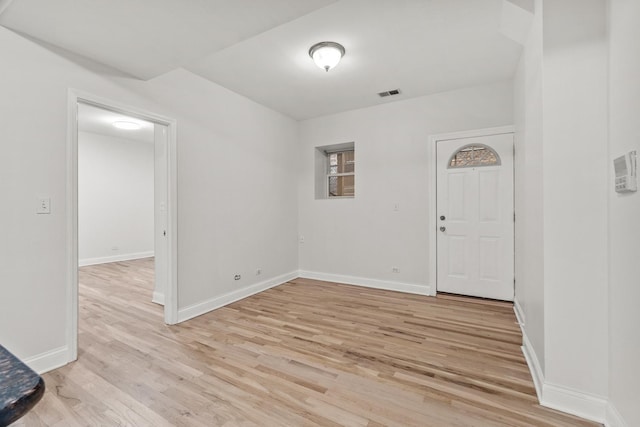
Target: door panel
(457, 257)
(488, 197)
(456, 199)
(475, 238)
(489, 250)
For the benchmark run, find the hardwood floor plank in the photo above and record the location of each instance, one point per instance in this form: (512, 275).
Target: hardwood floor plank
(305, 353)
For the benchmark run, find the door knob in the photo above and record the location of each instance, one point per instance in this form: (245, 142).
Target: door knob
(443, 228)
(442, 218)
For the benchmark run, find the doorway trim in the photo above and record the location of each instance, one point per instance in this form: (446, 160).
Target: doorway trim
(171, 293)
(433, 188)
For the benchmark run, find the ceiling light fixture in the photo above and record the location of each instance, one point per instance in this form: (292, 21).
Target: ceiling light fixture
(127, 125)
(326, 55)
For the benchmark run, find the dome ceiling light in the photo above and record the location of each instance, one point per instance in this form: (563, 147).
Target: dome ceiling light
(326, 55)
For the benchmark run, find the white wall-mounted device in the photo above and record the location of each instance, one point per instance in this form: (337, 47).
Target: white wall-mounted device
(625, 168)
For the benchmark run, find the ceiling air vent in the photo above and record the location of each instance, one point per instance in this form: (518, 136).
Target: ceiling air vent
(389, 93)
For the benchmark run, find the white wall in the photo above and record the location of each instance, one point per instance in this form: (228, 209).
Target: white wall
(236, 187)
(561, 149)
(575, 194)
(624, 215)
(364, 237)
(529, 242)
(115, 198)
(237, 208)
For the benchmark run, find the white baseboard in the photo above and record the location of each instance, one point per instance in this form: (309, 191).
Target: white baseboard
(613, 417)
(574, 402)
(517, 308)
(368, 283)
(562, 398)
(158, 298)
(49, 360)
(195, 310)
(533, 363)
(114, 258)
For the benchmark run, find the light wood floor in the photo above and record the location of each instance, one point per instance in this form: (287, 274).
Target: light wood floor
(304, 353)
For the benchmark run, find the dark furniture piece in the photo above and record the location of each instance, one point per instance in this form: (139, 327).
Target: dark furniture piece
(20, 388)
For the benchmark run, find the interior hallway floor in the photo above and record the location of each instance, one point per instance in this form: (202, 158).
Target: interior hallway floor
(303, 353)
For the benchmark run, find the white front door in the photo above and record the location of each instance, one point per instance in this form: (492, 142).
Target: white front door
(475, 222)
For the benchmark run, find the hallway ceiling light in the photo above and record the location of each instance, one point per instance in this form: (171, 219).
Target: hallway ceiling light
(127, 125)
(326, 55)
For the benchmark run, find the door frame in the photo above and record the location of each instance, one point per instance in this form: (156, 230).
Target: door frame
(171, 293)
(433, 188)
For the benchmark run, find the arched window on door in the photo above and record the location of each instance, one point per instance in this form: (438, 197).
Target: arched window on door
(474, 155)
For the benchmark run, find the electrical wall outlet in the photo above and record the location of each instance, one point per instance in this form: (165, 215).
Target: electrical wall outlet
(258, 271)
(395, 270)
(44, 205)
(236, 277)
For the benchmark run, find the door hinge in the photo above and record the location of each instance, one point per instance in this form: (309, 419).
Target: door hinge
(164, 233)
(514, 217)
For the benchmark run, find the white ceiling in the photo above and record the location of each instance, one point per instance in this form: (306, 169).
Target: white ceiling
(147, 38)
(419, 46)
(100, 121)
(258, 48)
